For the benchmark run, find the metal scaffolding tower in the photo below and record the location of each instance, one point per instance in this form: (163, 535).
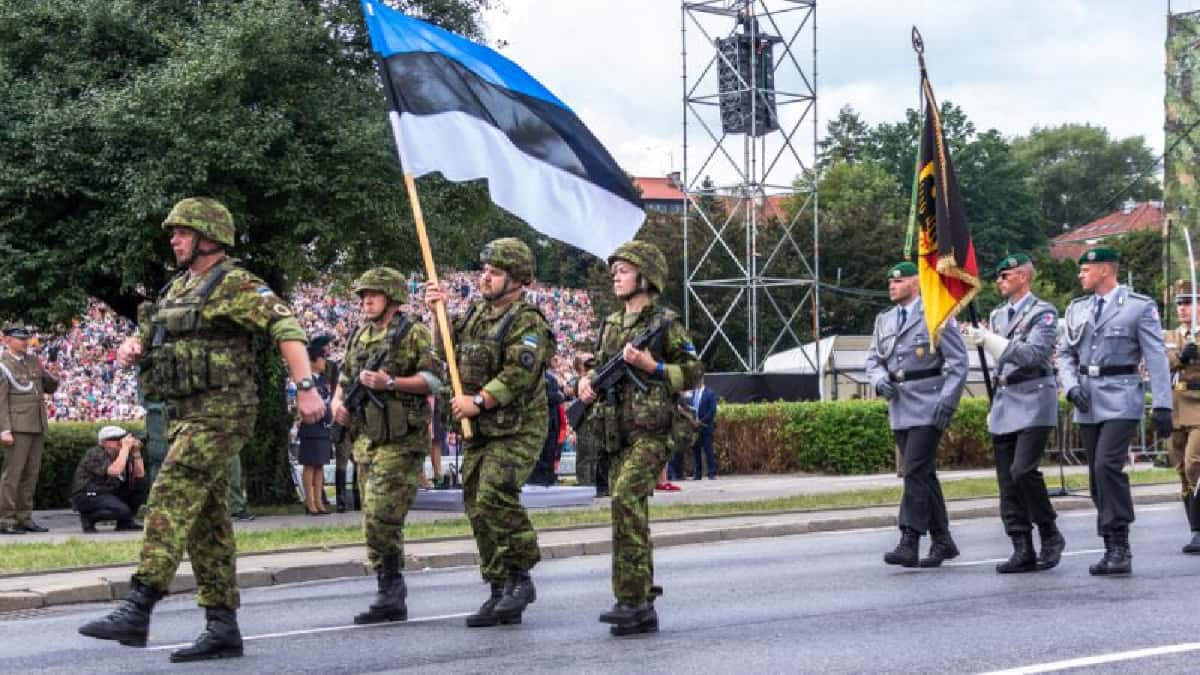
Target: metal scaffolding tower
(751, 198)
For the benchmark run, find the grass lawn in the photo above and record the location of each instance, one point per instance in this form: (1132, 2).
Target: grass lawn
(17, 557)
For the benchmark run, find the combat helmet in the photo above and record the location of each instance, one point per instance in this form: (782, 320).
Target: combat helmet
(650, 261)
(511, 255)
(386, 280)
(205, 215)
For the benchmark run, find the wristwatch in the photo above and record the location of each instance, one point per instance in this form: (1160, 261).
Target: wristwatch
(478, 401)
(391, 384)
(305, 383)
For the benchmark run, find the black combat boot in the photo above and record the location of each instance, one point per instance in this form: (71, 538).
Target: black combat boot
(1117, 560)
(129, 623)
(1022, 558)
(89, 525)
(220, 638)
(1193, 513)
(518, 594)
(486, 616)
(129, 525)
(631, 619)
(389, 602)
(1053, 544)
(339, 489)
(907, 551)
(941, 548)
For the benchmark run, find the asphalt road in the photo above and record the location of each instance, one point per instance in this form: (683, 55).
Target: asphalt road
(812, 603)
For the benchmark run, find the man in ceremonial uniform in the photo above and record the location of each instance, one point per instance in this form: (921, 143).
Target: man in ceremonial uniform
(392, 356)
(922, 383)
(643, 421)
(195, 348)
(1020, 338)
(503, 345)
(1109, 333)
(23, 427)
(1185, 414)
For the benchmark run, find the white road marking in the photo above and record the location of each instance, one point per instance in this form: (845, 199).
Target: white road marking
(326, 629)
(992, 561)
(1084, 662)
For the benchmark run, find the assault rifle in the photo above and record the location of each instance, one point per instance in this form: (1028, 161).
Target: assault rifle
(355, 399)
(606, 379)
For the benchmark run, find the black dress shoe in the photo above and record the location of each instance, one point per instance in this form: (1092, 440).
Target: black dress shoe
(11, 529)
(33, 527)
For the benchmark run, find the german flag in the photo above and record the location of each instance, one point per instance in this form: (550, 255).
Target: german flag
(949, 275)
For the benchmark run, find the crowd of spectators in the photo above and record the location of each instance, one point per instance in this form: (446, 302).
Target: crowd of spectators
(94, 388)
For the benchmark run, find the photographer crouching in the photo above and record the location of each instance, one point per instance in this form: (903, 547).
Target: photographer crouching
(110, 481)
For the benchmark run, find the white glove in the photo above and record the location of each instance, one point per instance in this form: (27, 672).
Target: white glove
(973, 336)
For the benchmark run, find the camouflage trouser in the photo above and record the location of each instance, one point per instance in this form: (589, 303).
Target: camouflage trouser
(1185, 457)
(392, 473)
(493, 472)
(634, 471)
(585, 460)
(189, 509)
(237, 493)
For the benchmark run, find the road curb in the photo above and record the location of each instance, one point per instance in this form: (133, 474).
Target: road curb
(112, 583)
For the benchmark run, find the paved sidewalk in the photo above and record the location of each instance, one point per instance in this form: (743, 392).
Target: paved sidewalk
(264, 569)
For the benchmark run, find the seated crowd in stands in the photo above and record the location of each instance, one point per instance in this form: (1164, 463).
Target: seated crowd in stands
(94, 388)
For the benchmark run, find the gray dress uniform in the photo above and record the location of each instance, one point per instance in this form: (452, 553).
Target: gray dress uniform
(928, 383)
(1105, 341)
(1024, 411)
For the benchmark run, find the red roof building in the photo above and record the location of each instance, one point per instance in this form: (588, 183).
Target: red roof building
(664, 195)
(1133, 217)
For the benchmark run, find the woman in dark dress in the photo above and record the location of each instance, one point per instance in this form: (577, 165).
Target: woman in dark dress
(316, 444)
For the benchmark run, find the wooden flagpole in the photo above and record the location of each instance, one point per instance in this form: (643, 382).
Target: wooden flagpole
(439, 309)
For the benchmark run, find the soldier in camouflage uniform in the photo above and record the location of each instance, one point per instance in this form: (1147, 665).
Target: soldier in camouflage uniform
(1185, 441)
(392, 441)
(636, 432)
(194, 347)
(503, 345)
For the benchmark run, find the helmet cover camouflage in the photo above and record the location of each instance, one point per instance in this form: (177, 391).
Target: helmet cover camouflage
(650, 261)
(207, 216)
(511, 255)
(386, 280)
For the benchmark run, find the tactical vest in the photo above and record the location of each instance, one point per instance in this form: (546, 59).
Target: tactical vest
(189, 354)
(403, 412)
(652, 410)
(481, 357)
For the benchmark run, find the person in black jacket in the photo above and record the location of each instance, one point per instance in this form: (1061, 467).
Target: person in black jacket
(316, 442)
(543, 471)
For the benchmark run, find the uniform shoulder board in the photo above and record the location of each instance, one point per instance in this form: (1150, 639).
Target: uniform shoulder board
(1139, 296)
(1079, 299)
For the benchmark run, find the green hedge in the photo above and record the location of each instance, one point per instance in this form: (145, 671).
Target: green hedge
(837, 437)
(65, 445)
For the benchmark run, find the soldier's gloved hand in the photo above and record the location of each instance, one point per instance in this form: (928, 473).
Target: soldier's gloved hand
(942, 415)
(1079, 398)
(1188, 354)
(973, 335)
(1162, 422)
(886, 389)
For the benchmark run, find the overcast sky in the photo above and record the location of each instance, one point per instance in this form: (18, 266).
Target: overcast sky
(1009, 64)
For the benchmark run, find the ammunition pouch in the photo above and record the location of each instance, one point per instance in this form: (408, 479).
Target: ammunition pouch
(503, 421)
(401, 414)
(647, 411)
(685, 429)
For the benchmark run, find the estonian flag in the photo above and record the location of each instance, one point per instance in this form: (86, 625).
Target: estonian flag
(461, 109)
(949, 274)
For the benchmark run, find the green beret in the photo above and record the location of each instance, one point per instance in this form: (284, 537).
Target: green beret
(1011, 262)
(1098, 255)
(902, 269)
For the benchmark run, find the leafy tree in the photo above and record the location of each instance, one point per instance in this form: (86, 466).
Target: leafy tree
(1079, 173)
(846, 139)
(111, 110)
(998, 200)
